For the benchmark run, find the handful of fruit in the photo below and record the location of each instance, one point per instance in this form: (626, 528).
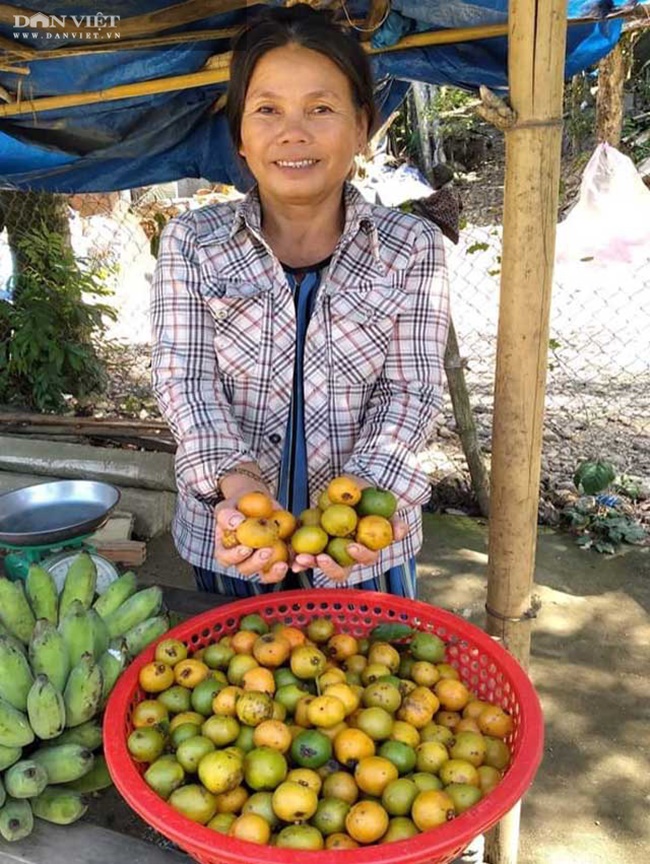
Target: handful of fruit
(345, 514)
(316, 739)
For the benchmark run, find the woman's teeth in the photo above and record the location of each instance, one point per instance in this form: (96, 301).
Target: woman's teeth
(303, 163)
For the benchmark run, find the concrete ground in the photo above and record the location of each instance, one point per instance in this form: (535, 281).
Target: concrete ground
(590, 803)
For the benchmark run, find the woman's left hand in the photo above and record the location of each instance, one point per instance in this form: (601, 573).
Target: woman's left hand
(361, 554)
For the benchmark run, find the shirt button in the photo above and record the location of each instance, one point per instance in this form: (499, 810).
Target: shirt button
(222, 313)
(275, 438)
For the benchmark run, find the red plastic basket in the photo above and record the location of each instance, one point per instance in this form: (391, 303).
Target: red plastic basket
(483, 664)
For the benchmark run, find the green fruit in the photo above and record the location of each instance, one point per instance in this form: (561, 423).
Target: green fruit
(117, 592)
(80, 583)
(463, 795)
(311, 749)
(88, 735)
(15, 612)
(182, 733)
(190, 752)
(164, 775)
(221, 729)
(330, 815)
(401, 755)
(194, 802)
(264, 769)
(218, 656)
(203, 694)
(300, 837)
(16, 820)
(59, 805)
(262, 804)
(25, 779)
(177, 699)
(255, 623)
(377, 502)
(9, 755)
(222, 822)
(83, 691)
(45, 709)
(16, 676)
(42, 594)
(399, 828)
(221, 770)
(470, 746)
(426, 782)
(337, 549)
(427, 646)
(245, 740)
(339, 520)
(398, 796)
(65, 762)
(48, 654)
(96, 779)
(15, 730)
(146, 744)
(289, 696)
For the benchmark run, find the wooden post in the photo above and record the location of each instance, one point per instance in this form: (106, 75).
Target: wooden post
(609, 101)
(536, 55)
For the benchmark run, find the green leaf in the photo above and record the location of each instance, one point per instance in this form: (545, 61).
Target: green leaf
(390, 633)
(477, 247)
(592, 477)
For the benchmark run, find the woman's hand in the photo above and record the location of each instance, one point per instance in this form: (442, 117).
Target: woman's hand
(248, 561)
(361, 554)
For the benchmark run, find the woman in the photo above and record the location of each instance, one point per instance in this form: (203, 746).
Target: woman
(299, 333)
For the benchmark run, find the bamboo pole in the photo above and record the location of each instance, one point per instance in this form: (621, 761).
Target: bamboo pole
(536, 55)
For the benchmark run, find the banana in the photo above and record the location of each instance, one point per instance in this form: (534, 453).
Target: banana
(96, 779)
(15, 730)
(133, 611)
(25, 779)
(88, 735)
(48, 653)
(117, 592)
(15, 612)
(138, 637)
(59, 805)
(16, 820)
(9, 755)
(45, 708)
(41, 593)
(3, 793)
(64, 763)
(100, 632)
(77, 631)
(112, 663)
(80, 583)
(16, 676)
(83, 691)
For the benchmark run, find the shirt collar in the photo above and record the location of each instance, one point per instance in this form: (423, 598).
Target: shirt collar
(358, 216)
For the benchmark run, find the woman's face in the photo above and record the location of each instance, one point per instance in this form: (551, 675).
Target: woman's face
(300, 127)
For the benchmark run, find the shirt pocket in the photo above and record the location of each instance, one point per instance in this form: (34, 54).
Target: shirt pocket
(362, 322)
(238, 312)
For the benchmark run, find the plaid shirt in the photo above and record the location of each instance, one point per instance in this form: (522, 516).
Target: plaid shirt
(224, 331)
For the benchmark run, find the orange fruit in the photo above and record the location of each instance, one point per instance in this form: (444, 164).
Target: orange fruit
(293, 802)
(343, 490)
(340, 841)
(242, 641)
(306, 777)
(149, 712)
(453, 695)
(292, 635)
(256, 504)
(307, 662)
(374, 773)
(366, 822)
(325, 711)
(494, 721)
(432, 808)
(232, 801)
(272, 733)
(225, 700)
(352, 745)
(251, 827)
(190, 672)
(156, 676)
(341, 784)
(259, 678)
(271, 650)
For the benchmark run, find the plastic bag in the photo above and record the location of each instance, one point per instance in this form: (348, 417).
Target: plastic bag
(610, 223)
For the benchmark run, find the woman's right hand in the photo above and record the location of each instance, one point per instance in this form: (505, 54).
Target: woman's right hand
(248, 561)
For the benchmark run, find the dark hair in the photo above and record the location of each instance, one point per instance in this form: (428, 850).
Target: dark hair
(302, 25)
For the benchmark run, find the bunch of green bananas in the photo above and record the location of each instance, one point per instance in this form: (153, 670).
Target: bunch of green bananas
(60, 656)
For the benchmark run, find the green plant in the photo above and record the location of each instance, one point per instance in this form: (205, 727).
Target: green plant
(46, 333)
(601, 521)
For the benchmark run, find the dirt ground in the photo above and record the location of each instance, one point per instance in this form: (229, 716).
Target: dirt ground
(590, 656)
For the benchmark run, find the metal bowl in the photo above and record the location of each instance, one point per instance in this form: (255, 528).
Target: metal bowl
(49, 513)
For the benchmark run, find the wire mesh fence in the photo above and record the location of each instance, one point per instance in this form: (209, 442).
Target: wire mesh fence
(598, 396)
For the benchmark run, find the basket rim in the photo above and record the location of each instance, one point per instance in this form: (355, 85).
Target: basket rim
(441, 841)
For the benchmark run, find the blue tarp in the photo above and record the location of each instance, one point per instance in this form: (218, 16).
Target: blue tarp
(153, 139)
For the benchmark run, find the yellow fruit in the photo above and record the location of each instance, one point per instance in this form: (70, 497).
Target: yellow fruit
(156, 676)
(339, 520)
(286, 522)
(257, 532)
(374, 532)
(272, 733)
(310, 516)
(326, 711)
(251, 827)
(190, 672)
(309, 540)
(293, 802)
(253, 707)
(432, 808)
(279, 552)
